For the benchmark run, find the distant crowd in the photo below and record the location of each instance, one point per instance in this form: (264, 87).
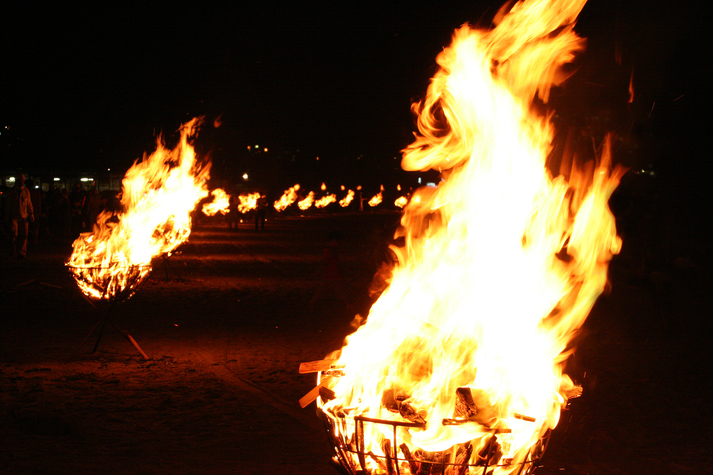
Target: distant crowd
(55, 212)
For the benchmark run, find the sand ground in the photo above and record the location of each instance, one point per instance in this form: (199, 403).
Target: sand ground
(227, 321)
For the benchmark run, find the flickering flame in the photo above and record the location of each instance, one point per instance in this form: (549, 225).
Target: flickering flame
(248, 202)
(401, 201)
(501, 264)
(158, 194)
(306, 202)
(325, 200)
(287, 198)
(344, 202)
(220, 203)
(376, 199)
(323, 187)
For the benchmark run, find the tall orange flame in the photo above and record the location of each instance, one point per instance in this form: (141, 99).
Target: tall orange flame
(220, 203)
(501, 262)
(287, 198)
(158, 194)
(306, 202)
(248, 202)
(344, 202)
(325, 200)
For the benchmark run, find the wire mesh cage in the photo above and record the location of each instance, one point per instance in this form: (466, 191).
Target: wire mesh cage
(113, 284)
(351, 456)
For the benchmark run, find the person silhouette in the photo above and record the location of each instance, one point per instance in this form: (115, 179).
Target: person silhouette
(19, 214)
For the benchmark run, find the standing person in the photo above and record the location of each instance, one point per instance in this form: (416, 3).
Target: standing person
(77, 203)
(19, 213)
(36, 198)
(233, 213)
(260, 212)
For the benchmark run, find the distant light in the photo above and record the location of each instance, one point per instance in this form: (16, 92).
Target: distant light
(11, 179)
(431, 184)
(108, 169)
(86, 179)
(419, 180)
(317, 158)
(56, 179)
(265, 149)
(37, 187)
(257, 146)
(245, 176)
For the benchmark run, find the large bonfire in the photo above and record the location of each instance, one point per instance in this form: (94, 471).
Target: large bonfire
(502, 263)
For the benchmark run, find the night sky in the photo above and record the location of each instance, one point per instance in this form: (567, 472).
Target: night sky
(91, 87)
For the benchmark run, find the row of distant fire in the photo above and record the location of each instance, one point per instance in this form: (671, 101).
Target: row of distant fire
(223, 203)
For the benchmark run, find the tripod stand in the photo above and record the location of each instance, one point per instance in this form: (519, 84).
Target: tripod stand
(136, 278)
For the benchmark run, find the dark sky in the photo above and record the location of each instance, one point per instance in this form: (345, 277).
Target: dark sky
(93, 85)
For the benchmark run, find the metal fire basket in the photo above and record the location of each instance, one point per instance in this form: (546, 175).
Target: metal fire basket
(350, 456)
(135, 277)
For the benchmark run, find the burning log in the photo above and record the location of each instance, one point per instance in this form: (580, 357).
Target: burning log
(398, 404)
(462, 459)
(465, 405)
(431, 462)
(413, 466)
(386, 447)
(473, 405)
(410, 414)
(322, 390)
(490, 453)
(326, 394)
(316, 366)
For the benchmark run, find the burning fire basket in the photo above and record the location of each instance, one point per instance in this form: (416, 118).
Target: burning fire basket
(115, 286)
(476, 457)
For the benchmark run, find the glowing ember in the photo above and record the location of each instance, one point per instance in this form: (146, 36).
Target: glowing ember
(344, 202)
(158, 194)
(248, 202)
(325, 200)
(287, 198)
(220, 203)
(401, 201)
(306, 202)
(500, 267)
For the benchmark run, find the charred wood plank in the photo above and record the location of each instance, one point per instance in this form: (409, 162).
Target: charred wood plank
(386, 447)
(463, 458)
(409, 413)
(315, 366)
